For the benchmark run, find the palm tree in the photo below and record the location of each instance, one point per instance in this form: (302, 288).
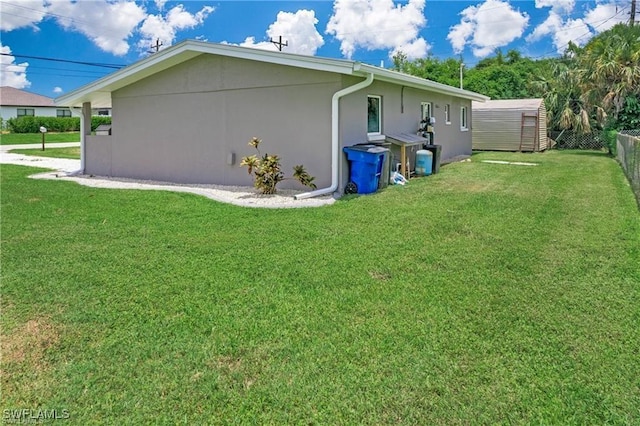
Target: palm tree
(565, 109)
(610, 70)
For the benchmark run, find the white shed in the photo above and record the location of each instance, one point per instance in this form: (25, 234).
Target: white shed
(510, 125)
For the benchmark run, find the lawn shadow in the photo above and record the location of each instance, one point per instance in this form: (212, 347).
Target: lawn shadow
(587, 152)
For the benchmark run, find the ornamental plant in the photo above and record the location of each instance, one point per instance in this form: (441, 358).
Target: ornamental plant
(267, 170)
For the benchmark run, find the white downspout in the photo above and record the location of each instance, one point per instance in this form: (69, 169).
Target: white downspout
(335, 138)
(80, 112)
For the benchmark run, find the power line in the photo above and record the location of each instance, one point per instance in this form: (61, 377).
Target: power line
(587, 33)
(92, 64)
(43, 13)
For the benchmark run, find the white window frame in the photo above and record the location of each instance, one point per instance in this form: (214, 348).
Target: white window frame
(379, 131)
(447, 114)
(464, 118)
(63, 112)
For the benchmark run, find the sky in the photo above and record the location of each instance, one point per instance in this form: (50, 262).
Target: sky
(51, 47)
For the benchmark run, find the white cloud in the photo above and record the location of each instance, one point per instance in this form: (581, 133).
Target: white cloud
(550, 25)
(379, 24)
(557, 5)
(58, 90)
(160, 4)
(297, 29)
(578, 31)
(107, 24)
(561, 31)
(251, 42)
(26, 13)
(487, 26)
(605, 16)
(165, 27)
(12, 74)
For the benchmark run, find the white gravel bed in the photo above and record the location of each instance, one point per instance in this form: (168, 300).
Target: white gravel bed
(246, 196)
(238, 195)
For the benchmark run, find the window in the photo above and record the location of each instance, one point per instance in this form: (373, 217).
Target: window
(104, 112)
(63, 113)
(447, 114)
(22, 112)
(374, 115)
(426, 110)
(463, 118)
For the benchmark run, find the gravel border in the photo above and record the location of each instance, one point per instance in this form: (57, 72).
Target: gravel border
(237, 195)
(245, 196)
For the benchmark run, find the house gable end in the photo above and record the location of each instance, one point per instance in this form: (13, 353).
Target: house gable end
(214, 73)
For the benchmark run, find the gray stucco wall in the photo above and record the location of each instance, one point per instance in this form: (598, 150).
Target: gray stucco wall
(401, 113)
(181, 125)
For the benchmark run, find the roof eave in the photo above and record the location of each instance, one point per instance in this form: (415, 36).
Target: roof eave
(99, 91)
(382, 74)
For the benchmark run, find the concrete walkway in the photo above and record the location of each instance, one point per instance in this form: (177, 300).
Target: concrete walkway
(65, 165)
(69, 170)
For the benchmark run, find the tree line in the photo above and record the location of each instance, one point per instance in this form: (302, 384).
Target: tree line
(587, 89)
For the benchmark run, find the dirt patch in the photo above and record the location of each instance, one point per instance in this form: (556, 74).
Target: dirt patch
(25, 374)
(28, 343)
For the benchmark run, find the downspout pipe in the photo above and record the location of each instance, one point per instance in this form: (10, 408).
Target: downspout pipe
(335, 138)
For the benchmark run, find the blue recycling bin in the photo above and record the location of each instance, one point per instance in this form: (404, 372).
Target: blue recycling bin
(365, 166)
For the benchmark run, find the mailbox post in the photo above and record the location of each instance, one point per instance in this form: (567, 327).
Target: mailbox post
(43, 130)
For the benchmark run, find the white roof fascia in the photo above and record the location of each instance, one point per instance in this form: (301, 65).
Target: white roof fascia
(382, 74)
(99, 91)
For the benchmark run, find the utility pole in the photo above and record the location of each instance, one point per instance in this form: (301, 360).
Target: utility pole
(279, 44)
(156, 46)
(632, 20)
(461, 68)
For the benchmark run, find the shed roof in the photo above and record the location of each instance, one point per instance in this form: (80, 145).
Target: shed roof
(508, 104)
(99, 91)
(10, 96)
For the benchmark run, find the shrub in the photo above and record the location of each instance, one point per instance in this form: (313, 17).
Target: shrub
(97, 120)
(609, 137)
(30, 124)
(268, 173)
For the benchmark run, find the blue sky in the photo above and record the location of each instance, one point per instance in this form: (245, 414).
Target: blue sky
(39, 36)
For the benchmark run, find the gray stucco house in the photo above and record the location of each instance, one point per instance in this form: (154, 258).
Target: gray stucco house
(186, 114)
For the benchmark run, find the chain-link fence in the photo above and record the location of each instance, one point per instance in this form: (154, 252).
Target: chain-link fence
(569, 139)
(628, 149)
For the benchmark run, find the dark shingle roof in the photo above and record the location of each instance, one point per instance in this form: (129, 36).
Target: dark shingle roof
(10, 96)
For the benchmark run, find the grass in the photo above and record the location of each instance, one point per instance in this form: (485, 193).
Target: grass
(484, 294)
(36, 138)
(71, 152)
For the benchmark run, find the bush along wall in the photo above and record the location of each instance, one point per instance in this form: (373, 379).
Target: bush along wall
(53, 124)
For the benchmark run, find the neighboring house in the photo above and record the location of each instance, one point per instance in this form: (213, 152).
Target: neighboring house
(17, 103)
(101, 112)
(510, 125)
(187, 113)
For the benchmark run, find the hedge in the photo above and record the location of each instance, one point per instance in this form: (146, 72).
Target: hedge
(29, 124)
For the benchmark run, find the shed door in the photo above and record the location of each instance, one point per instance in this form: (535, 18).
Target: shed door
(529, 132)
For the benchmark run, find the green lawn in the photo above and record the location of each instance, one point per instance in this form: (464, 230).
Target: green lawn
(485, 294)
(22, 138)
(72, 152)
